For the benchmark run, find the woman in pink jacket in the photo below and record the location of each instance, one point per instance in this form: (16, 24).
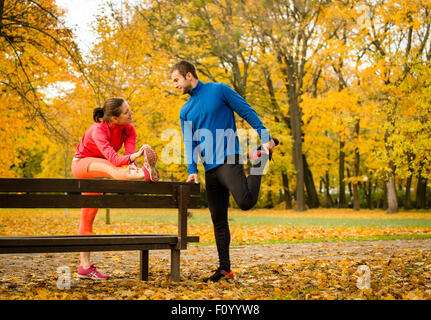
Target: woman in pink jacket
(96, 157)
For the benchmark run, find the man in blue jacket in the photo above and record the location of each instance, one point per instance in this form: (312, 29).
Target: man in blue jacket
(209, 133)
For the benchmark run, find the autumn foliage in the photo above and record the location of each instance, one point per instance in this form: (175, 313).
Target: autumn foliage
(343, 84)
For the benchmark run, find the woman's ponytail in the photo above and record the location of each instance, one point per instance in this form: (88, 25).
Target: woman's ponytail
(98, 114)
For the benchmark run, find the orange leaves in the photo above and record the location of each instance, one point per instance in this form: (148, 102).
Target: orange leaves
(246, 234)
(305, 279)
(306, 271)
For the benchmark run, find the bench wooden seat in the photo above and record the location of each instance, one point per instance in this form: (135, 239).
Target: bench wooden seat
(51, 244)
(67, 193)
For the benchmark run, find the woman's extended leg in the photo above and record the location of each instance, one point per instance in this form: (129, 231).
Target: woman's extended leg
(87, 168)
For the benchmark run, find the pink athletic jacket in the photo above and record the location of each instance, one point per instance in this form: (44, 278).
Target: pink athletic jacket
(104, 140)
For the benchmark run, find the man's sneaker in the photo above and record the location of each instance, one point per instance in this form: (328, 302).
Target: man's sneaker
(91, 273)
(149, 166)
(219, 274)
(256, 153)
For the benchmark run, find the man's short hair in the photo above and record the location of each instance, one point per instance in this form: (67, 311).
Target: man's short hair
(184, 67)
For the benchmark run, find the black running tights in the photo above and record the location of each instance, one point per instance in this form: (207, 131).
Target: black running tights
(245, 190)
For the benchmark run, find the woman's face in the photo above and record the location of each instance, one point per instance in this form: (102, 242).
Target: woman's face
(125, 117)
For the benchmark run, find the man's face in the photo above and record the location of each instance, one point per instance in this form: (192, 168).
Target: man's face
(183, 84)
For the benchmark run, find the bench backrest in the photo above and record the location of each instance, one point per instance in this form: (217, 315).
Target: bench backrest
(66, 193)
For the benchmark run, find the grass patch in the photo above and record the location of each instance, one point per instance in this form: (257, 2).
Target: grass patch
(273, 220)
(316, 240)
(250, 227)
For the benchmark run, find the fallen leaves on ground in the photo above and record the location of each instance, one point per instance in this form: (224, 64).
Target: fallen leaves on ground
(406, 274)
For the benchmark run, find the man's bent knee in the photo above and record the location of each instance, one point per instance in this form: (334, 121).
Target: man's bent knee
(246, 204)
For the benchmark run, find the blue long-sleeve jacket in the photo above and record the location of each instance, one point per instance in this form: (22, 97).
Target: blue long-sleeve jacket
(208, 124)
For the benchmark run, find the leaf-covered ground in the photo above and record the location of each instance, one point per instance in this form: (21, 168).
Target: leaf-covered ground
(282, 266)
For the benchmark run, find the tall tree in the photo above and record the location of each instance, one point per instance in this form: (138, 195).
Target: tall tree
(36, 50)
(291, 30)
(398, 34)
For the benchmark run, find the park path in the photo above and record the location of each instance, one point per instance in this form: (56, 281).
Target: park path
(124, 265)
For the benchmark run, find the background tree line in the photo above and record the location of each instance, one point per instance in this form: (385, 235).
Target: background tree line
(344, 84)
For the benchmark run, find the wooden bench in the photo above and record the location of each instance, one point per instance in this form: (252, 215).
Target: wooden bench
(66, 193)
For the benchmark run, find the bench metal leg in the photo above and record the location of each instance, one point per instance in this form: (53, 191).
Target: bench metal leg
(143, 268)
(175, 264)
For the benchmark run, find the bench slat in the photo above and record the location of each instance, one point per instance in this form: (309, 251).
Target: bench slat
(86, 240)
(85, 248)
(77, 243)
(4, 239)
(90, 185)
(90, 201)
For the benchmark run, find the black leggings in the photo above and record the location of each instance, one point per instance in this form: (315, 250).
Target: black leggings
(245, 190)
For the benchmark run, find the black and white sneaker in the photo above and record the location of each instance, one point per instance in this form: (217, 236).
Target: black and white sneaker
(219, 274)
(256, 153)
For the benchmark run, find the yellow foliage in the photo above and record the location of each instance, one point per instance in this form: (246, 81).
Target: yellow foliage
(349, 70)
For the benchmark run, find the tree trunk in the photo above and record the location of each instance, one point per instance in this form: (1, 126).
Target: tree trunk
(342, 184)
(421, 192)
(270, 203)
(429, 201)
(370, 198)
(1, 15)
(299, 165)
(392, 195)
(367, 192)
(383, 203)
(287, 195)
(407, 200)
(349, 187)
(329, 202)
(313, 198)
(356, 200)
(295, 123)
(390, 176)
(400, 185)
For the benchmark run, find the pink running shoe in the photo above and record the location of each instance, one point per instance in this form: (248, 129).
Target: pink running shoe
(150, 155)
(149, 166)
(91, 273)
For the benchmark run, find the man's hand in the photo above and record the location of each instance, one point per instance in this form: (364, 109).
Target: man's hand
(193, 178)
(269, 146)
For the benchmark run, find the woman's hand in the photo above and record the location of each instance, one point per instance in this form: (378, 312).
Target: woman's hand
(132, 167)
(139, 153)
